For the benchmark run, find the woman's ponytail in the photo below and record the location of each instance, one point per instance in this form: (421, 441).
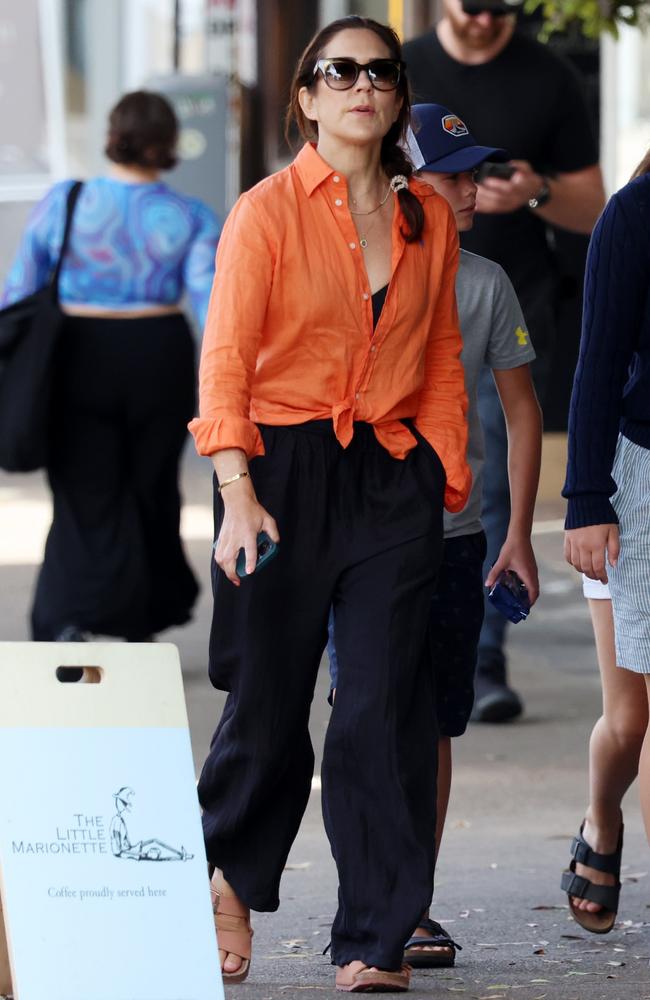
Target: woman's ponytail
(396, 163)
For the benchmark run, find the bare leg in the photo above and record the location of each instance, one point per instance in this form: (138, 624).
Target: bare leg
(444, 787)
(644, 771)
(614, 748)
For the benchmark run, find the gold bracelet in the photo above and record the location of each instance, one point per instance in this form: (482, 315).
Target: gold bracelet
(233, 479)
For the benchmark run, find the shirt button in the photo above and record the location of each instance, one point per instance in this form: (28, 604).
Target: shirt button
(336, 178)
(365, 296)
(373, 348)
(338, 202)
(356, 395)
(353, 246)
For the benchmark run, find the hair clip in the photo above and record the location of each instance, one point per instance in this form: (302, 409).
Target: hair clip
(399, 182)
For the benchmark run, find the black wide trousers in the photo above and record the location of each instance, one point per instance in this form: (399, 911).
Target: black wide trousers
(362, 531)
(114, 563)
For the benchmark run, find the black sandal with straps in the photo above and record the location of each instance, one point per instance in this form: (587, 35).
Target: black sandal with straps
(606, 896)
(419, 951)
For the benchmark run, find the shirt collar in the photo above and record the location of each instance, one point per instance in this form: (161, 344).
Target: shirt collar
(312, 168)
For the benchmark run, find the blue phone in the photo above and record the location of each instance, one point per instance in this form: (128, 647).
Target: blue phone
(266, 549)
(510, 596)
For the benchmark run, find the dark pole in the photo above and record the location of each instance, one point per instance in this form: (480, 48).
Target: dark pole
(177, 35)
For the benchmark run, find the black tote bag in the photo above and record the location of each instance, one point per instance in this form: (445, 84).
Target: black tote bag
(29, 331)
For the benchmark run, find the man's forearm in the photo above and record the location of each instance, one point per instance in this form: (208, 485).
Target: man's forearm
(574, 204)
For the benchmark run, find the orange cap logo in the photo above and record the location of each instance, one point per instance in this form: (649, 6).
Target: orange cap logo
(454, 126)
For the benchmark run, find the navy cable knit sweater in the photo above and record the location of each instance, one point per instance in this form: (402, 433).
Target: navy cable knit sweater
(611, 389)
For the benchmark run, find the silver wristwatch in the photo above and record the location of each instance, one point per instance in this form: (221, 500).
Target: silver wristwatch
(542, 196)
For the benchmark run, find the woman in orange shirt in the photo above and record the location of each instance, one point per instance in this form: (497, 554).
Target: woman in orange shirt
(333, 407)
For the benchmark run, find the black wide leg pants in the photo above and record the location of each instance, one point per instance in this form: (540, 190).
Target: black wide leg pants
(114, 563)
(363, 531)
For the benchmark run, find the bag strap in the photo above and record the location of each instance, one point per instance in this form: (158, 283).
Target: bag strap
(73, 195)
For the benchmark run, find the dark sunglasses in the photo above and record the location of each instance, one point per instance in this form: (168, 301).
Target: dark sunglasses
(342, 74)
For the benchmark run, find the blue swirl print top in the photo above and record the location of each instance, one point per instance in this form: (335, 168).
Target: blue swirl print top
(131, 245)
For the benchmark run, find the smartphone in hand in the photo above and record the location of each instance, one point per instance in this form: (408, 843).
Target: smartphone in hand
(510, 596)
(503, 171)
(266, 550)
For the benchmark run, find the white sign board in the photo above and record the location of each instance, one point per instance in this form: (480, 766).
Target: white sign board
(104, 876)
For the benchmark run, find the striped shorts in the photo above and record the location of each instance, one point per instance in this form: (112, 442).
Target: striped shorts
(629, 580)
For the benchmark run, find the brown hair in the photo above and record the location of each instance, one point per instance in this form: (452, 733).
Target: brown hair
(143, 131)
(394, 159)
(643, 167)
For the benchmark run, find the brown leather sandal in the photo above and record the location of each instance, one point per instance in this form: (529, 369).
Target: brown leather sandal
(233, 926)
(372, 980)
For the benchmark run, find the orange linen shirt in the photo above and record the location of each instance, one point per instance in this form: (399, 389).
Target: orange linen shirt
(289, 334)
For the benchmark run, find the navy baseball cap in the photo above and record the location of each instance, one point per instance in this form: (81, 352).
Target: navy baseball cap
(440, 141)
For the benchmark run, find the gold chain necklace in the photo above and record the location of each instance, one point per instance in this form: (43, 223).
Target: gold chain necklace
(363, 242)
(376, 208)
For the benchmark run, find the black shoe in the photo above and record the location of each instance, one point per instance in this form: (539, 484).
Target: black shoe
(494, 700)
(71, 633)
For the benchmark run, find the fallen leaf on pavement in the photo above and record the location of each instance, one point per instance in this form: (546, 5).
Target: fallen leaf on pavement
(283, 989)
(293, 942)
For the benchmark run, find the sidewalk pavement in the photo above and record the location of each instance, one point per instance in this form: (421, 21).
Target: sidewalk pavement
(518, 798)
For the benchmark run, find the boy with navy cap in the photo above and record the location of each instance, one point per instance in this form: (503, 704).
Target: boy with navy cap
(446, 156)
(494, 334)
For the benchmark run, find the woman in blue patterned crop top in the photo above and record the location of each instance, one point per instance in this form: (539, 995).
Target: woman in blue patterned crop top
(124, 383)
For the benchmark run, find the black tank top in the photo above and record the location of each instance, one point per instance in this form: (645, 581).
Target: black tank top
(378, 300)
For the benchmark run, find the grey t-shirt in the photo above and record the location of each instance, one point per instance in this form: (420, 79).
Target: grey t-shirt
(494, 334)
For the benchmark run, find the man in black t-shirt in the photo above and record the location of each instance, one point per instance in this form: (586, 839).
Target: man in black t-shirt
(513, 93)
